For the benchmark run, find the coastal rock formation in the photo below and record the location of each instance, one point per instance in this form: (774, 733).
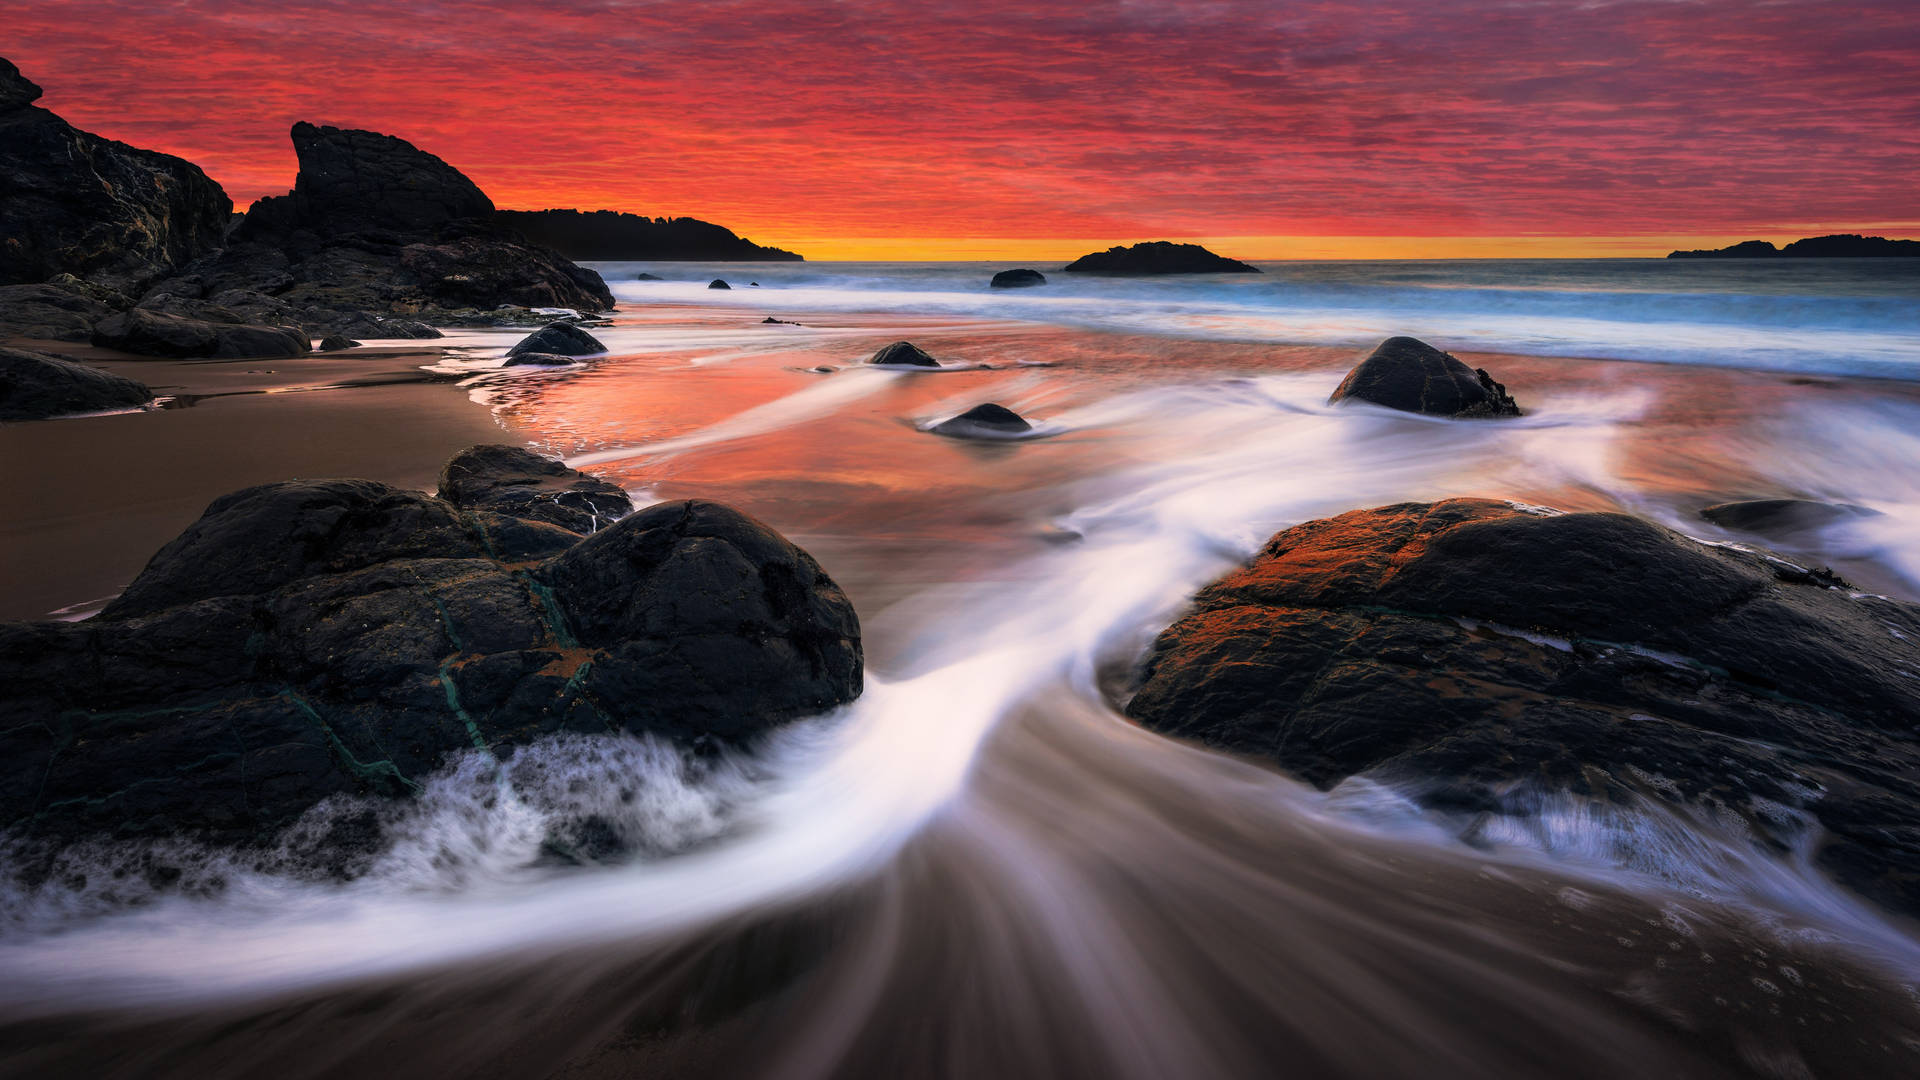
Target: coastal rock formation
(563, 339)
(144, 332)
(35, 386)
(718, 283)
(312, 638)
(376, 227)
(988, 419)
(337, 343)
(72, 202)
(1466, 648)
(1410, 375)
(606, 235)
(903, 354)
(61, 309)
(520, 483)
(1158, 257)
(1837, 246)
(1017, 279)
(365, 324)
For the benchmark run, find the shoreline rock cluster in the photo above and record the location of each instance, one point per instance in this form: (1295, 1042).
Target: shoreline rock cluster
(311, 638)
(377, 239)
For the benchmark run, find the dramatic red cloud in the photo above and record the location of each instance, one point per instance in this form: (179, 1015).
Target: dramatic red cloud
(815, 123)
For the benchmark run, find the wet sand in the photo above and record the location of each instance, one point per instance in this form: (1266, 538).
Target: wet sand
(90, 499)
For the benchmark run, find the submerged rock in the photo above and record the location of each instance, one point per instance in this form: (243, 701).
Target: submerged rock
(564, 339)
(1465, 647)
(35, 386)
(902, 354)
(718, 283)
(1410, 375)
(1158, 257)
(337, 342)
(988, 419)
(1018, 279)
(144, 332)
(313, 638)
(648, 277)
(73, 202)
(1782, 517)
(541, 359)
(519, 482)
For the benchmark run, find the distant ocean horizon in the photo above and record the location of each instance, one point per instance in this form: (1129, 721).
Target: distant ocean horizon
(1846, 317)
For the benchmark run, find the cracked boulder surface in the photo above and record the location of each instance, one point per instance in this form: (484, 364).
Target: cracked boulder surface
(311, 638)
(36, 386)
(1412, 376)
(519, 482)
(1467, 650)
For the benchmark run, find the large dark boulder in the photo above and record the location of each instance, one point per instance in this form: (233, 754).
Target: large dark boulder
(35, 386)
(902, 354)
(145, 332)
(1466, 648)
(1410, 375)
(1158, 257)
(1017, 279)
(315, 638)
(562, 339)
(511, 480)
(72, 202)
(354, 181)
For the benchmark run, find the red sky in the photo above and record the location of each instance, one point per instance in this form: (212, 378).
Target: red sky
(995, 128)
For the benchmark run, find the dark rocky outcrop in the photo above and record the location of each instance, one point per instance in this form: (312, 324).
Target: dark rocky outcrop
(1837, 246)
(144, 332)
(988, 419)
(63, 308)
(718, 283)
(648, 277)
(337, 342)
(1018, 279)
(1467, 649)
(520, 483)
(313, 638)
(903, 354)
(563, 339)
(606, 235)
(1410, 375)
(375, 227)
(541, 359)
(1782, 517)
(365, 324)
(1158, 257)
(72, 202)
(35, 386)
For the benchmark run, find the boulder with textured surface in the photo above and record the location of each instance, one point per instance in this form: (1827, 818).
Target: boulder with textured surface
(317, 638)
(73, 202)
(562, 339)
(35, 386)
(1018, 279)
(1468, 649)
(988, 419)
(902, 354)
(1412, 376)
(63, 309)
(511, 480)
(144, 332)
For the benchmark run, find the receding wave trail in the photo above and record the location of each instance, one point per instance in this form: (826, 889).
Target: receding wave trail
(981, 840)
(1845, 317)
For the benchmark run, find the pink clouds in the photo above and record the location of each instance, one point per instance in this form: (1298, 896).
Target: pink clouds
(1134, 119)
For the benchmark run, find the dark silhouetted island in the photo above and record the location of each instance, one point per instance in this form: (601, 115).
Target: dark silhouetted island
(1839, 246)
(1158, 257)
(608, 235)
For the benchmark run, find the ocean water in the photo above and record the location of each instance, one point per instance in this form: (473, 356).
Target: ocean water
(981, 867)
(1826, 316)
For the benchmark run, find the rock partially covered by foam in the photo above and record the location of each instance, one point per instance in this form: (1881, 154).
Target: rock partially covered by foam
(1465, 647)
(314, 638)
(1410, 375)
(902, 354)
(560, 339)
(988, 420)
